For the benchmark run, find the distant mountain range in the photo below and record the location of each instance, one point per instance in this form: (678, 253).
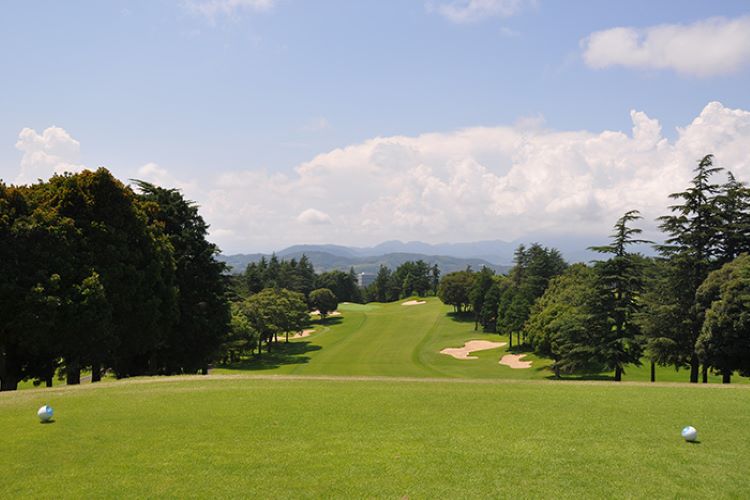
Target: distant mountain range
(326, 261)
(495, 254)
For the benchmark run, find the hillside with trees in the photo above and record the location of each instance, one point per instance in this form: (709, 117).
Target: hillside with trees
(686, 307)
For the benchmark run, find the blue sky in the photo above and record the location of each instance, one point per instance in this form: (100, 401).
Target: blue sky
(255, 102)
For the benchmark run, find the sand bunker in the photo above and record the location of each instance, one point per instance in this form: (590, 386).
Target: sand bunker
(514, 361)
(469, 347)
(317, 313)
(302, 334)
(413, 302)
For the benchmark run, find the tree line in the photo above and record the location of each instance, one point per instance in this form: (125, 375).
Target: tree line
(688, 307)
(410, 278)
(273, 297)
(96, 276)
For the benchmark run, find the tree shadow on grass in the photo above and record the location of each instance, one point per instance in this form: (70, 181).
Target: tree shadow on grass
(521, 349)
(292, 353)
(329, 321)
(462, 317)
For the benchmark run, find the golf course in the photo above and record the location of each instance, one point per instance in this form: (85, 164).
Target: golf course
(368, 406)
(397, 340)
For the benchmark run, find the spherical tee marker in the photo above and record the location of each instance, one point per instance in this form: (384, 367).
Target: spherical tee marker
(689, 433)
(45, 413)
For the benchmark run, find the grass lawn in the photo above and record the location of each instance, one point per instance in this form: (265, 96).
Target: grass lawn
(307, 437)
(396, 340)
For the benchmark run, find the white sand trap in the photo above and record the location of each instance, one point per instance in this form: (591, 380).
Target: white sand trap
(302, 334)
(317, 313)
(514, 361)
(413, 302)
(469, 347)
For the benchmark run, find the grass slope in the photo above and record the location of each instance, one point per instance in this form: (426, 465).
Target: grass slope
(307, 437)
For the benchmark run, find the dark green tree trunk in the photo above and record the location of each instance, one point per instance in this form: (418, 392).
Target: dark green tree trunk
(96, 372)
(8, 383)
(694, 369)
(48, 381)
(557, 372)
(204, 370)
(726, 377)
(73, 372)
(653, 372)
(704, 374)
(618, 373)
(10, 372)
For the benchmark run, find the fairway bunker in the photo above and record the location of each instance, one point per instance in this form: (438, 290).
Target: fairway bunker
(302, 334)
(514, 361)
(317, 313)
(471, 346)
(413, 302)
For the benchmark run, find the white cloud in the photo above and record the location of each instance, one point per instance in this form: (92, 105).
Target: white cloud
(155, 174)
(715, 46)
(314, 217)
(53, 151)
(479, 183)
(213, 8)
(466, 11)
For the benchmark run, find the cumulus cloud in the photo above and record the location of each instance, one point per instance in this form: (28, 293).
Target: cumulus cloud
(466, 11)
(715, 46)
(479, 183)
(53, 151)
(213, 8)
(504, 182)
(314, 217)
(155, 174)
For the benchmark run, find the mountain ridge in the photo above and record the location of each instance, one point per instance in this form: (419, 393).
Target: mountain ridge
(325, 261)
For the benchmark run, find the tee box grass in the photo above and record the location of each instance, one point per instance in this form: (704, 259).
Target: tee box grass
(340, 437)
(368, 407)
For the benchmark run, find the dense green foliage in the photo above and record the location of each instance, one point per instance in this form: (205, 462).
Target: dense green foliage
(534, 268)
(705, 230)
(343, 285)
(105, 279)
(298, 276)
(618, 285)
(275, 311)
(201, 326)
(409, 278)
(561, 325)
(724, 342)
(324, 301)
(455, 289)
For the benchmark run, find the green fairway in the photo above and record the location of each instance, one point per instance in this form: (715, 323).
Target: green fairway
(266, 438)
(389, 340)
(396, 340)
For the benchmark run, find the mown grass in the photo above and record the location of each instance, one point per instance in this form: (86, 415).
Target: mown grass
(439, 438)
(396, 340)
